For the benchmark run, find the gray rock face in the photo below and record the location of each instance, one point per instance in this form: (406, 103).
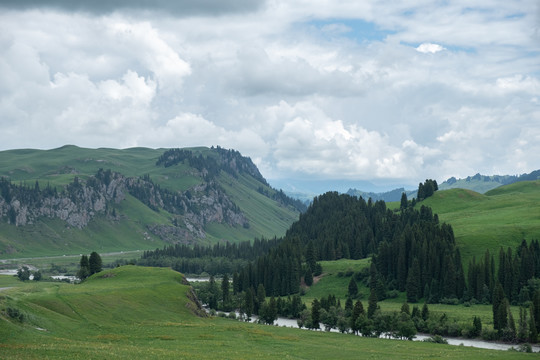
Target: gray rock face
(77, 205)
(79, 202)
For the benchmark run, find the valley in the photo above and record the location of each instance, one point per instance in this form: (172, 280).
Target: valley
(209, 213)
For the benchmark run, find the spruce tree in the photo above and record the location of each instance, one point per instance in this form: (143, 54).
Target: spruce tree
(425, 312)
(404, 202)
(353, 288)
(315, 313)
(497, 300)
(95, 263)
(84, 268)
(225, 289)
(308, 277)
(372, 304)
(533, 332)
(413, 286)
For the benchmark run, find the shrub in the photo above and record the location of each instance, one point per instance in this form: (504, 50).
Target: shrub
(525, 348)
(449, 301)
(15, 313)
(438, 339)
(489, 334)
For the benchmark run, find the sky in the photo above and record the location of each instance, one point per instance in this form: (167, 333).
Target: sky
(390, 92)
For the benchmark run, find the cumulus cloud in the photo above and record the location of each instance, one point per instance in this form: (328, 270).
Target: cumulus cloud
(296, 99)
(429, 48)
(311, 142)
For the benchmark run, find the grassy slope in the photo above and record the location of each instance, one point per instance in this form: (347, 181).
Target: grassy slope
(501, 217)
(59, 166)
(141, 313)
(331, 283)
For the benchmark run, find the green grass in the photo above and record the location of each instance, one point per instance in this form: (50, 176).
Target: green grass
(58, 167)
(141, 313)
(332, 283)
(501, 217)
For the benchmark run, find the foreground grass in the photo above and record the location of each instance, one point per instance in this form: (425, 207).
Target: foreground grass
(143, 313)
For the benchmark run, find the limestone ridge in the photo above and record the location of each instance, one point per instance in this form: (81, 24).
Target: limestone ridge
(82, 200)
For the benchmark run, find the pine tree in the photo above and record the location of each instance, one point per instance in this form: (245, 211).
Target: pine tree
(308, 277)
(533, 331)
(425, 312)
(248, 303)
(404, 204)
(372, 304)
(502, 315)
(413, 286)
(84, 268)
(315, 313)
(358, 311)
(497, 300)
(477, 327)
(95, 263)
(225, 290)
(353, 288)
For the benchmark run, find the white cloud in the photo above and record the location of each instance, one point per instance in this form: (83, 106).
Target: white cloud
(340, 102)
(142, 41)
(429, 48)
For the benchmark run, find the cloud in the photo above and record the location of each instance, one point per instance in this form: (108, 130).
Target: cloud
(142, 41)
(177, 8)
(304, 88)
(312, 143)
(429, 48)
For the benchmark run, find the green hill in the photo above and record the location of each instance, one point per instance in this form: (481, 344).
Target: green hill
(74, 200)
(500, 217)
(146, 313)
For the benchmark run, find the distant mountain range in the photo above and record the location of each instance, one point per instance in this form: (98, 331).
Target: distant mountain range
(478, 183)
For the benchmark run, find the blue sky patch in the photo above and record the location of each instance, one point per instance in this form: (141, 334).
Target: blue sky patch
(355, 29)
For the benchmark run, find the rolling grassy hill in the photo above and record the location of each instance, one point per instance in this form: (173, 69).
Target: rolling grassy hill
(145, 313)
(500, 217)
(133, 219)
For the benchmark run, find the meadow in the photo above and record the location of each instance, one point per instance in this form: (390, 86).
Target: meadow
(145, 313)
(502, 217)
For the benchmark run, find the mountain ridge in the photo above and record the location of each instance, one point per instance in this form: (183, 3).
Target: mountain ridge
(189, 200)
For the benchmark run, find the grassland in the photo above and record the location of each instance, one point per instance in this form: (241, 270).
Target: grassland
(144, 313)
(336, 277)
(58, 167)
(501, 217)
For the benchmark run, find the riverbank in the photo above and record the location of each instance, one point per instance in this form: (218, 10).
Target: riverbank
(476, 343)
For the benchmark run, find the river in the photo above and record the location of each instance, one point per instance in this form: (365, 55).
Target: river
(292, 323)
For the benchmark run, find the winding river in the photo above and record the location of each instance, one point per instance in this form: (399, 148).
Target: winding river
(285, 322)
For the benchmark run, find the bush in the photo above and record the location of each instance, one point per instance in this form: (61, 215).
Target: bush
(15, 313)
(449, 301)
(232, 315)
(437, 339)
(527, 348)
(489, 335)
